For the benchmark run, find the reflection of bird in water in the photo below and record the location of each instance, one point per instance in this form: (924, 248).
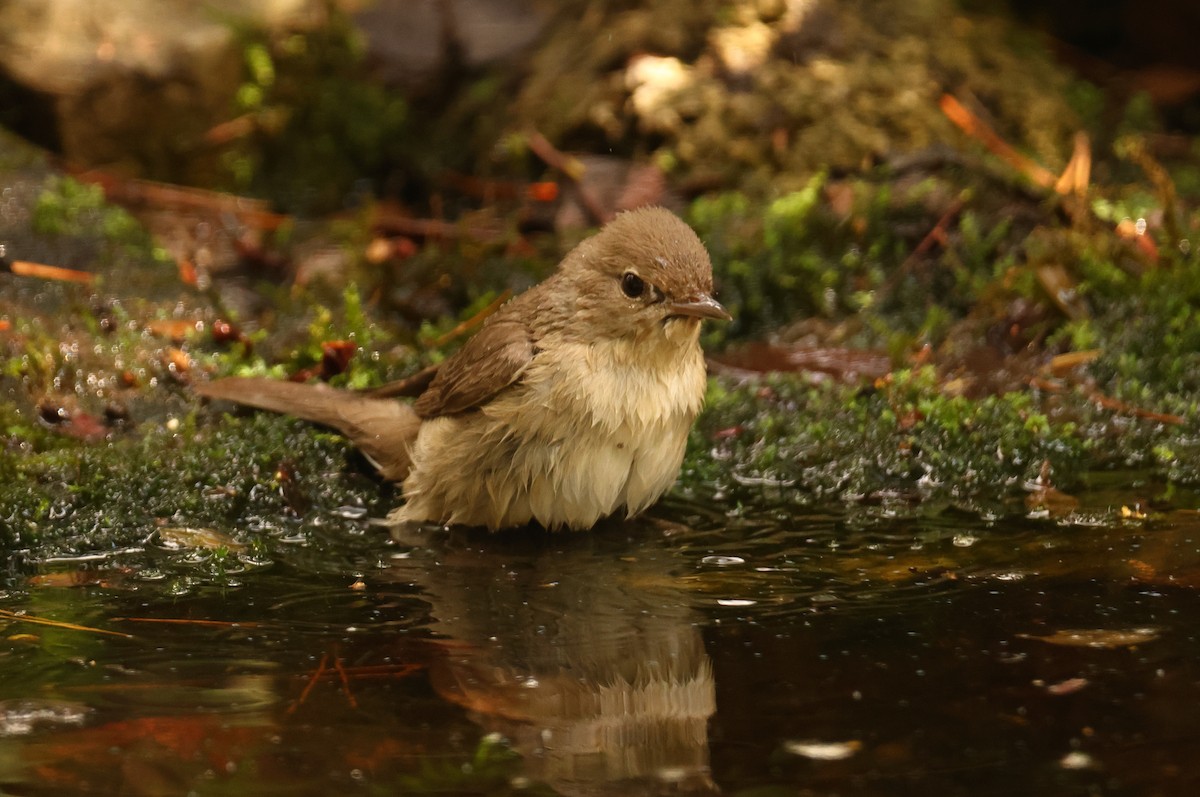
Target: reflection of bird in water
(589, 661)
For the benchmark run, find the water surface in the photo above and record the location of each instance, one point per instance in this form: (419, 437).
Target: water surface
(699, 650)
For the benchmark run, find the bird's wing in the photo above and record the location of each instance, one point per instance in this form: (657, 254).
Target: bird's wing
(489, 362)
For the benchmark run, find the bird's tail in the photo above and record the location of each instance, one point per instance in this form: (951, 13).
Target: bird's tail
(383, 429)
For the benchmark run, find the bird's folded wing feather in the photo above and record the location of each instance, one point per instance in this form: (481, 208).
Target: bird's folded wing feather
(489, 362)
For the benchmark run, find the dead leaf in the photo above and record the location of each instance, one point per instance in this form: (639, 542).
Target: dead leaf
(844, 365)
(1067, 687)
(179, 537)
(1072, 360)
(1062, 289)
(175, 330)
(178, 361)
(1053, 501)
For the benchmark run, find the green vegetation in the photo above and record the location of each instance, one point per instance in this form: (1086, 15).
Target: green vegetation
(69, 207)
(915, 439)
(318, 123)
(907, 442)
(61, 495)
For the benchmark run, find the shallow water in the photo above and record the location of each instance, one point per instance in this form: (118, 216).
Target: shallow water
(746, 653)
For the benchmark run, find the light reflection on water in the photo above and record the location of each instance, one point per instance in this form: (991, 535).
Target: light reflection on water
(651, 657)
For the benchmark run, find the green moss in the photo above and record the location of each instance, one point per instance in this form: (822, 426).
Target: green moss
(907, 443)
(68, 207)
(220, 472)
(798, 257)
(1150, 345)
(782, 259)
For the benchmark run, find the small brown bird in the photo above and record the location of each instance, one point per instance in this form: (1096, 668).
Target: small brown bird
(572, 402)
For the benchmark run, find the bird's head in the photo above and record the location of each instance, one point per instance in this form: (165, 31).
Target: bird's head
(645, 273)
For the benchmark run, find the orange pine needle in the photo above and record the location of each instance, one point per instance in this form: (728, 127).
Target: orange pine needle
(1078, 174)
(25, 268)
(978, 129)
(185, 621)
(573, 168)
(312, 682)
(1116, 405)
(1073, 359)
(28, 618)
(341, 671)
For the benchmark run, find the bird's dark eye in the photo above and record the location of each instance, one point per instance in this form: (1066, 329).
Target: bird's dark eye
(632, 285)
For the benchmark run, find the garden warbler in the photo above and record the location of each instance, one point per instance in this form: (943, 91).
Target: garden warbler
(571, 403)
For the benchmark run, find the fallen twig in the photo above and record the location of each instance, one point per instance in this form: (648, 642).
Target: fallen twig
(936, 235)
(573, 168)
(1072, 359)
(1110, 403)
(389, 221)
(127, 191)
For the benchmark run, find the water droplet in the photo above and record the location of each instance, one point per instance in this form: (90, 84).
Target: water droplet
(735, 602)
(350, 512)
(1076, 760)
(823, 751)
(964, 540)
(722, 561)
(671, 774)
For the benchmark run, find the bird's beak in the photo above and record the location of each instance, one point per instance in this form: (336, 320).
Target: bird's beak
(702, 306)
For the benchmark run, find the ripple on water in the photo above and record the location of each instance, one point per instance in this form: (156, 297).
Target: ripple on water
(24, 716)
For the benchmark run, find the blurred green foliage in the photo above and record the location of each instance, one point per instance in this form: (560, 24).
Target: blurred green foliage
(321, 129)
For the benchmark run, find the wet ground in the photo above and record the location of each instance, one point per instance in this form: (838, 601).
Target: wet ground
(702, 649)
